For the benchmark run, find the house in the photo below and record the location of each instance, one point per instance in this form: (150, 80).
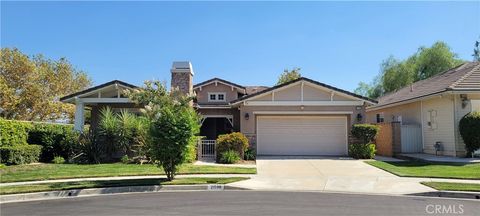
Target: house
(301, 117)
(428, 112)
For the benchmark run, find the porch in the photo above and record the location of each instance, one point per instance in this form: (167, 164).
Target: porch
(212, 127)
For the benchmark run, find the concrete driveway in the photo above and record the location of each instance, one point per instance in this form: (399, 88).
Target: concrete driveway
(327, 174)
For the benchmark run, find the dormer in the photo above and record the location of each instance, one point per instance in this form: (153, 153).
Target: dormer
(218, 91)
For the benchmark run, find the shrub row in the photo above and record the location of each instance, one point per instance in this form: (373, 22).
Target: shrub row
(13, 132)
(20, 154)
(56, 140)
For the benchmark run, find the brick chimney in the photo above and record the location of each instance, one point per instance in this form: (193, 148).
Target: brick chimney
(182, 76)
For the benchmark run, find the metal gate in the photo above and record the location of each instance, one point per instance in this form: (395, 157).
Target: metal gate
(206, 149)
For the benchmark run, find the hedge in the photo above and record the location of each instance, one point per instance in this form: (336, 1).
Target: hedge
(234, 141)
(470, 131)
(56, 140)
(20, 154)
(365, 132)
(13, 132)
(362, 151)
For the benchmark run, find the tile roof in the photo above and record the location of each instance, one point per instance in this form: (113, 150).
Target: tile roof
(463, 77)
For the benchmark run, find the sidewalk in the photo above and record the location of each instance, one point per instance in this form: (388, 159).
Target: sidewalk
(126, 178)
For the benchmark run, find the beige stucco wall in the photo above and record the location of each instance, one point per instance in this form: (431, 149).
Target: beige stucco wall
(445, 124)
(410, 113)
(459, 113)
(202, 95)
(293, 93)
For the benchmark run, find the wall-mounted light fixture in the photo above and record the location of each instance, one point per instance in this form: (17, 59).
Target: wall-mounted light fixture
(359, 117)
(247, 116)
(464, 100)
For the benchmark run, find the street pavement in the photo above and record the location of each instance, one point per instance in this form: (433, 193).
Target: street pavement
(244, 203)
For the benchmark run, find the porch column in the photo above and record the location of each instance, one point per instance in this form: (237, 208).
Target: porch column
(79, 115)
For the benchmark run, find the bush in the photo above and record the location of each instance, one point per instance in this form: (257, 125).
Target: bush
(58, 160)
(362, 151)
(250, 154)
(125, 159)
(365, 132)
(56, 140)
(89, 150)
(470, 131)
(229, 157)
(234, 141)
(13, 133)
(20, 154)
(122, 132)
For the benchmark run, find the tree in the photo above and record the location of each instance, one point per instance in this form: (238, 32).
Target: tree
(396, 74)
(173, 124)
(30, 87)
(288, 76)
(476, 51)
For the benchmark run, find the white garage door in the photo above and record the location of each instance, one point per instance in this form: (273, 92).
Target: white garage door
(301, 135)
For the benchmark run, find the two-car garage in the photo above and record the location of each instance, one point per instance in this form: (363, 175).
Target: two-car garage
(301, 135)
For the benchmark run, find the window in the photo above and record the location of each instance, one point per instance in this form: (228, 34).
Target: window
(216, 97)
(380, 118)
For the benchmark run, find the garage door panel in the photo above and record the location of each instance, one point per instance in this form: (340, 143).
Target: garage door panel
(301, 135)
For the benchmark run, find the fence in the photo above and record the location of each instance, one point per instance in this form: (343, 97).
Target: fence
(411, 139)
(396, 138)
(206, 149)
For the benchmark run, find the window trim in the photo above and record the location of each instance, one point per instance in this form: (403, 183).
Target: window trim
(216, 96)
(380, 117)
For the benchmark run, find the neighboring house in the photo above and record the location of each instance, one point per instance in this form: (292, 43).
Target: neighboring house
(434, 106)
(301, 117)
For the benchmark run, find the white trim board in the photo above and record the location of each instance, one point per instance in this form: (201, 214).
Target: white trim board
(304, 103)
(301, 112)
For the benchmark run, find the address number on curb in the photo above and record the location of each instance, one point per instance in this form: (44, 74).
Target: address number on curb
(216, 187)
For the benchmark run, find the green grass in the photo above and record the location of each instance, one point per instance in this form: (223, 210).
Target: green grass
(430, 169)
(450, 186)
(113, 183)
(64, 171)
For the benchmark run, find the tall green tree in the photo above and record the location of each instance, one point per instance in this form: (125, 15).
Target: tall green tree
(396, 74)
(476, 51)
(30, 87)
(289, 75)
(173, 124)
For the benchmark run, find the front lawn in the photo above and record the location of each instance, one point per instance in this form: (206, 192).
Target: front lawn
(113, 183)
(430, 169)
(64, 171)
(450, 186)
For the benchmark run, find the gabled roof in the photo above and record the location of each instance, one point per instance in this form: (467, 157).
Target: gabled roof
(465, 77)
(255, 89)
(204, 83)
(307, 80)
(113, 82)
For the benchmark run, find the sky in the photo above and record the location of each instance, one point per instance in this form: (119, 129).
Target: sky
(249, 43)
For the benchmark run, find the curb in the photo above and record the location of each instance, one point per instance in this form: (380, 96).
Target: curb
(12, 198)
(451, 194)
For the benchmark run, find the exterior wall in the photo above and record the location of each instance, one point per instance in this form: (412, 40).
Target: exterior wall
(202, 95)
(248, 127)
(461, 111)
(410, 114)
(443, 129)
